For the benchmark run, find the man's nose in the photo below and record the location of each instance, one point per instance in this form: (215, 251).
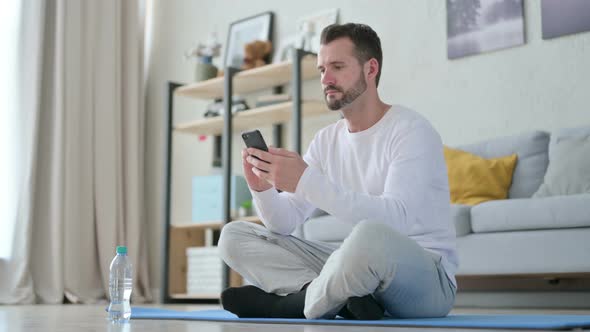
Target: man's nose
(328, 78)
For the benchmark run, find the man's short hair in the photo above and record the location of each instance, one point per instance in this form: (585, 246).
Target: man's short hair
(367, 43)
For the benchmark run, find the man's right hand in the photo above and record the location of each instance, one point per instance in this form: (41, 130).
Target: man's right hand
(254, 182)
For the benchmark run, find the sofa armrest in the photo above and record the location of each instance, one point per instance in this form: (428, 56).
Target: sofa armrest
(461, 217)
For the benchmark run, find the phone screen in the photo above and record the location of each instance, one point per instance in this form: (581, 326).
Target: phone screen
(254, 139)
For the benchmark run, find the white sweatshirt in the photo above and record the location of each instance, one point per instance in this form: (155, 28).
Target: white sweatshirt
(393, 172)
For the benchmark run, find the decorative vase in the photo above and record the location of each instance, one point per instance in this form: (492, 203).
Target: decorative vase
(205, 71)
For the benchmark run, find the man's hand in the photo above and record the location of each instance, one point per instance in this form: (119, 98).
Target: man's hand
(254, 182)
(279, 167)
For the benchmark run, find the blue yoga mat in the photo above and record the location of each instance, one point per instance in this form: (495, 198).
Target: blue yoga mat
(552, 322)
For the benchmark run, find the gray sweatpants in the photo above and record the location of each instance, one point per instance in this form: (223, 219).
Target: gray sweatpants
(406, 279)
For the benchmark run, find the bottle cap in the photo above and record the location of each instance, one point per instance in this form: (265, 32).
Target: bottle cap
(121, 250)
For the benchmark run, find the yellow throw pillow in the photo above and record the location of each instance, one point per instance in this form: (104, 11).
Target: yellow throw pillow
(473, 179)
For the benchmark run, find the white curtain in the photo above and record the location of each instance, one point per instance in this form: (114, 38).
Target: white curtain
(16, 284)
(83, 86)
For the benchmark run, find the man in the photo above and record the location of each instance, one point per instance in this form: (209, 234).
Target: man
(380, 168)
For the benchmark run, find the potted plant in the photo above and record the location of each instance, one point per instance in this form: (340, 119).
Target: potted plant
(204, 53)
(245, 209)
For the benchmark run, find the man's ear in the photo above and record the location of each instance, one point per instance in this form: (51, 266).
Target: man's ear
(372, 68)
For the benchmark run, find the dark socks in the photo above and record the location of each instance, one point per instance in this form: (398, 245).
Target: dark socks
(362, 308)
(253, 302)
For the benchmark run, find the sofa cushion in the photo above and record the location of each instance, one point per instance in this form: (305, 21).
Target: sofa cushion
(531, 214)
(326, 228)
(531, 149)
(566, 133)
(473, 179)
(529, 252)
(569, 168)
(461, 216)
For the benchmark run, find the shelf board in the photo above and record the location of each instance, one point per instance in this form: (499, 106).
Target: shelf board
(252, 79)
(254, 219)
(204, 296)
(207, 224)
(217, 224)
(253, 118)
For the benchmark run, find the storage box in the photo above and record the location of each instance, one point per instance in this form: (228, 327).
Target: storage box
(204, 270)
(207, 200)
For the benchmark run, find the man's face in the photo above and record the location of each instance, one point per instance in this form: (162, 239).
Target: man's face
(342, 76)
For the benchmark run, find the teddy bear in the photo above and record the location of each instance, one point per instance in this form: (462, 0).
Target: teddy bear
(255, 53)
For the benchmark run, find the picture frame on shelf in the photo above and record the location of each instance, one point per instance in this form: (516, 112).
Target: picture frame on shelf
(241, 32)
(285, 46)
(310, 27)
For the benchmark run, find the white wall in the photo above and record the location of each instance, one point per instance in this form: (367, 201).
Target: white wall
(543, 84)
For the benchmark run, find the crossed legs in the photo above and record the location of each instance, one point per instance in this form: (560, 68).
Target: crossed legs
(291, 275)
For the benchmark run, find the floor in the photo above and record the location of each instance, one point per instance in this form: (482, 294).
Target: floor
(66, 318)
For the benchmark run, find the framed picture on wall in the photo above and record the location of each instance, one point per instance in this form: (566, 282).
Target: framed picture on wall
(478, 26)
(564, 17)
(258, 27)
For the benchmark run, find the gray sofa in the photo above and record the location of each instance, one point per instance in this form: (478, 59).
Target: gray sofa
(520, 235)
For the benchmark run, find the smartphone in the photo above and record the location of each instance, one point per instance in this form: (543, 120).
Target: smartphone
(254, 139)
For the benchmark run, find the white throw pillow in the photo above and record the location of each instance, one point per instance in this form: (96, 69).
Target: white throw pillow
(568, 172)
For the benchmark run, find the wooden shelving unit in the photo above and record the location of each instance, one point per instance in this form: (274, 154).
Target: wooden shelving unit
(178, 237)
(216, 225)
(257, 117)
(192, 235)
(251, 80)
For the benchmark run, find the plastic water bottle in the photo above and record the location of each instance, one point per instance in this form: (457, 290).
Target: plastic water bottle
(120, 286)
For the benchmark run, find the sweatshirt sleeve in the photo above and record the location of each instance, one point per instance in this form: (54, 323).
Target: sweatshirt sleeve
(282, 212)
(413, 172)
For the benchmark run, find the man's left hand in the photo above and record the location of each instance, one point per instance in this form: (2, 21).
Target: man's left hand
(281, 168)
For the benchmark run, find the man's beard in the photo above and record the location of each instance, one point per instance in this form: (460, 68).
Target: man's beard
(347, 97)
